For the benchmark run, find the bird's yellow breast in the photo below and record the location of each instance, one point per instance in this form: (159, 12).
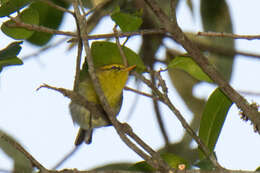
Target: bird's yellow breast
(112, 83)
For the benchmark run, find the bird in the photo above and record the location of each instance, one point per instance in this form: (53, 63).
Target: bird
(112, 79)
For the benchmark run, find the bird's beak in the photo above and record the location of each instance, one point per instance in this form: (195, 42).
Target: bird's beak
(130, 68)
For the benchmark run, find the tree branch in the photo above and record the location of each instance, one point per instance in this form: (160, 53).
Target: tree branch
(51, 4)
(228, 35)
(32, 27)
(19, 148)
(177, 34)
(123, 34)
(165, 99)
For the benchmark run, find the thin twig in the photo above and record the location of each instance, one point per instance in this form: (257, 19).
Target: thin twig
(228, 35)
(249, 93)
(98, 7)
(78, 60)
(140, 92)
(77, 98)
(45, 48)
(214, 49)
(33, 27)
(221, 50)
(66, 157)
(123, 34)
(164, 98)
(18, 147)
(120, 47)
(51, 4)
(158, 112)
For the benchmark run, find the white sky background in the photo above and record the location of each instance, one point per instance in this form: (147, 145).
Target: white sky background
(41, 121)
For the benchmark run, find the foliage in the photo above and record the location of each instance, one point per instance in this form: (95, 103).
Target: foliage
(8, 56)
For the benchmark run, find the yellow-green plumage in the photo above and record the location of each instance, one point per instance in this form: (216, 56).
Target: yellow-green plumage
(112, 80)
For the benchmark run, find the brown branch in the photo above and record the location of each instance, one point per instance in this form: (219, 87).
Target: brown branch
(164, 98)
(32, 27)
(120, 47)
(19, 148)
(228, 35)
(51, 4)
(100, 6)
(66, 157)
(140, 92)
(122, 34)
(214, 49)
(77, 98)
(78, 60)
(45, 48)
(158, 113)
(252, 93)
(177, 34)
(221, 50)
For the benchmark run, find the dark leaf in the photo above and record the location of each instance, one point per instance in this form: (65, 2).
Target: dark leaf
(216, 17)
(49, 17)
(29, 16)
(9, 6)
(21, 163)
(8, 56)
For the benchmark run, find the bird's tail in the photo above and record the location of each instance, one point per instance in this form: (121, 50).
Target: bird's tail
(84, 135)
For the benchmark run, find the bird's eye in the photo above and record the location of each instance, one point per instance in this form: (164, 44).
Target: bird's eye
(115, 68)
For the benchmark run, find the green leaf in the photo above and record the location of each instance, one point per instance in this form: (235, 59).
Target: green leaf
(9, 6)
(188, 65)
(48, 17)
(11, 50)
(8, 55)
(127, 22)
(29, 16)
(105, 53)
(213, 118)
(21, 163)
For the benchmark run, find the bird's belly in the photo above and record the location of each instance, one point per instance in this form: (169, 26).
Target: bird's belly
(81, 116)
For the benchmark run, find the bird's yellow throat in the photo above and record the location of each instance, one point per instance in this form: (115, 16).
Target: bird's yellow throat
(112, 80)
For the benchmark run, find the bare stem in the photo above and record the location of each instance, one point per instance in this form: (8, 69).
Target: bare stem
(32, 27)
(228, 35)
(18, 147)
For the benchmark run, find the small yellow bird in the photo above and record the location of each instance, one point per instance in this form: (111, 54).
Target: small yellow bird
(112, 79)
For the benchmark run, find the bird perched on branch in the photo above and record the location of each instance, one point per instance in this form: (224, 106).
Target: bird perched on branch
(112, 79)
